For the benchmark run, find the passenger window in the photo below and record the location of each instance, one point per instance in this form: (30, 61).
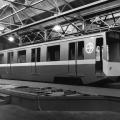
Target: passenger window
(81, 50)
(71, 51)
(10, 57)
(35, 55)
(53, 53)
(22, 56)
(113, 44)
(1, 58)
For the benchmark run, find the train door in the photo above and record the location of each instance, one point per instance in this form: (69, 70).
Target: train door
(99, 55)
(76, 52)
(35, 57)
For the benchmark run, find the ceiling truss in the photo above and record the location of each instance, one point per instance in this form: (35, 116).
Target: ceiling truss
(72, 21)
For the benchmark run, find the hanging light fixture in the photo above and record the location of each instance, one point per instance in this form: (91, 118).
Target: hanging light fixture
(12, 0)
(57, 28)
(11, 38)
(2, 28)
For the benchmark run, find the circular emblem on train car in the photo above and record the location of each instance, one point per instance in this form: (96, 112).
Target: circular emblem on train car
(89, 47)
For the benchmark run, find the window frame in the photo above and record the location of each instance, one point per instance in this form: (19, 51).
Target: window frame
(25, 60)
(10, 57)
(36, 54)
(2, 58)
(75, 50)
(53, 58)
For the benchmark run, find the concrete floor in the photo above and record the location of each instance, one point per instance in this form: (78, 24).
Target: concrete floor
(81, 89)
(10, 112)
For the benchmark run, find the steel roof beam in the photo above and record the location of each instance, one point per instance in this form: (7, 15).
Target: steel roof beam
(21, 10)
(101, 9)
(56, 16)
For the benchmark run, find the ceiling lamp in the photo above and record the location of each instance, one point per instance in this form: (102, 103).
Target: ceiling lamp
(57, 28)
(17, 1)
(11, 38)
(12, 0)
(2, 27)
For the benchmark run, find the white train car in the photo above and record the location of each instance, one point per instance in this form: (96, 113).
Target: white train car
(81, 60)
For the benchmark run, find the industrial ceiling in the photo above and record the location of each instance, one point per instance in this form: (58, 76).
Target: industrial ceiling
(18, 13)
(30, 20)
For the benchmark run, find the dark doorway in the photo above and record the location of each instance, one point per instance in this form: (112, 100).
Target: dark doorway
(99, 55)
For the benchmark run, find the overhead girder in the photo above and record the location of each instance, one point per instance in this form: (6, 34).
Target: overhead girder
(57, 16)
(16, 12)
(80, 14)
(29, 6)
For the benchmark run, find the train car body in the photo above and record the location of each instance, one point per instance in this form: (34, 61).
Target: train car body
(86, 59)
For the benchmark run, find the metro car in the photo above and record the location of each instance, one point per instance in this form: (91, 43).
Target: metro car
(86, 59)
